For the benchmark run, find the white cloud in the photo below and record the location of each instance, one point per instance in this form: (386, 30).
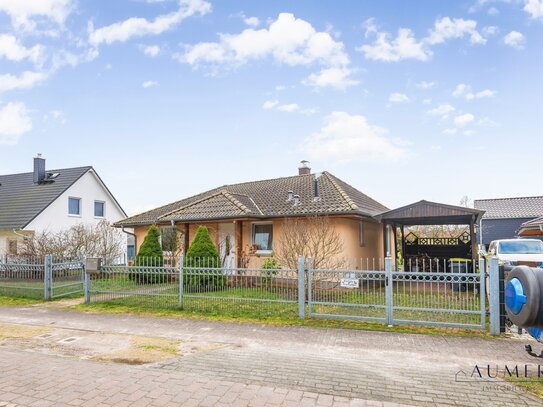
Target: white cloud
(26, 80)
(288, 40)
(426, 101)
(469, 132)
(493, 11)
(491, 30)
(442, 110)
(289, 108)
(14, 122)
(270, 104)
(251, 21)
(425, 85)
(56, 115)
(404, 46)
(515, 39)
(398, 98)
(24, 12)
(463, 90)
(13, 50)
(151, 50)
(534, 8)
(345, 137)
(453, 28)
(149, 84)
(335, 77)
(449, 132)
(464, 119)
(138, 27)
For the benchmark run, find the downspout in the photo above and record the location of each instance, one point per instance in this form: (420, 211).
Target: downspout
(19, 234)
(135, 238)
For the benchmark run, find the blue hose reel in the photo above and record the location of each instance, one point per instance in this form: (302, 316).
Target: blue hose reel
(524, 301)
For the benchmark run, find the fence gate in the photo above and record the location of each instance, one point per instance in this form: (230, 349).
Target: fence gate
(347, 293)
(399, 297)
(66, 277)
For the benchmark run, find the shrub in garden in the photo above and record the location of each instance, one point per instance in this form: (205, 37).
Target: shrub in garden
(202, 263)
(270, 265)
(149, 257)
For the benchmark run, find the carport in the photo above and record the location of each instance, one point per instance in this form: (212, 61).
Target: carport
(424, 213)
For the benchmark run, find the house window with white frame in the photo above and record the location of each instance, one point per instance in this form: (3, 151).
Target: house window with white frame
(263, 237)
(99, 209)
(74, 206)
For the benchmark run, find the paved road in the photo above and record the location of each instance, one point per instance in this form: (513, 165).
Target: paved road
(251, 364)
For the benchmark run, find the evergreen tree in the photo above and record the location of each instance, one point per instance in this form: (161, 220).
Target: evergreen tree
(202, 262)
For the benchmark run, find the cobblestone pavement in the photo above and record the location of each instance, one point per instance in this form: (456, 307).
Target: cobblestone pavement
(259, 365)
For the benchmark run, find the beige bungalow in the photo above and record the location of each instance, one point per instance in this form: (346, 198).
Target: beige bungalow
(253, 216)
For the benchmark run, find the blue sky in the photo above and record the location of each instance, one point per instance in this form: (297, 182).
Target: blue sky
(404, 100)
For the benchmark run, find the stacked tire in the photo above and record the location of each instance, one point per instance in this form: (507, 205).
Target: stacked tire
(524, 296)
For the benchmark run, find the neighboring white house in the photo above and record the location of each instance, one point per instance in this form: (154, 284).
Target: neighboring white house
(52, 200)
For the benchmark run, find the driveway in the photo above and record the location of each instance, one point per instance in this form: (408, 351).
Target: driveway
(62, 357)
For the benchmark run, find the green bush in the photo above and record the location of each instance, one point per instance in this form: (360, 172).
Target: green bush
(270, 265)
(148, 257)
(202, 264)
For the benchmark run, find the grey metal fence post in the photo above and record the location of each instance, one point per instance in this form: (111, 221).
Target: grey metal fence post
(86, 286)
(482, 291)
(181, 282)
(47, 277)
(301, 287)
(309, 286)
(494, 295)
(388, 291)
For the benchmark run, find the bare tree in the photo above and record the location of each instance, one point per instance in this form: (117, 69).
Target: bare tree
(313, 236)
(80, 240)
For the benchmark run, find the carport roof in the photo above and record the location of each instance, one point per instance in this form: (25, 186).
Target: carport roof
(431, 213)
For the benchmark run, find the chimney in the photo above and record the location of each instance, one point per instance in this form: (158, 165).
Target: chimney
(290, 195)
(304, 169)
(296, 200)
(39, 169)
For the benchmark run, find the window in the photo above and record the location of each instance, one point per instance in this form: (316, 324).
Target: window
(169, 239)
(263, 236)
(74, 206)
(99, 209)
(361, 236)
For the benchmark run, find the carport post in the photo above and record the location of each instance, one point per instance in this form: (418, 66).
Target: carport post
(181, 282)
(494, 295)
(301, 287)
(482, 290)
(388, 291)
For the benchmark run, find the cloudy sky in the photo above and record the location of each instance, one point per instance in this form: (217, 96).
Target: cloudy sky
(166, 98)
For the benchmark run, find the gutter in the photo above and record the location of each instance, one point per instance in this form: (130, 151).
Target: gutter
(19, 234)
(131, 234)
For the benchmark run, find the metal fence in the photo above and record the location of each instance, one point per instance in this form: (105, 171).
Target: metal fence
(199, 285)
(453, 297)
(43, 277)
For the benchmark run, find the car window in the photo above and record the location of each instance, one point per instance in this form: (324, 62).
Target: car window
(521, 247)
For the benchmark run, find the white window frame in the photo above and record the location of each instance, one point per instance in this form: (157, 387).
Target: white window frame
(103, 209)
(261, 252)
(80, 207)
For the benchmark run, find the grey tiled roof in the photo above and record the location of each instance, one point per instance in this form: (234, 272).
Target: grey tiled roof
(21, 200)
(503, 208)
(266, 198)
(533, 223)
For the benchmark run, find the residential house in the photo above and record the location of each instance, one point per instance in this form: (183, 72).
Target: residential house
(504, 216)
(252, 215)
(52, 200)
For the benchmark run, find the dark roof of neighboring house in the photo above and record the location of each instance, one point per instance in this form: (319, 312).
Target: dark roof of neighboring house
(21, 200)
(503, 208)
(263, 199)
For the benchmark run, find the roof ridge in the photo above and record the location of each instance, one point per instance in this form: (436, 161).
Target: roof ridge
(265, 180)
(343, 194)
(205, 198)
(508, 199)
(55, 169)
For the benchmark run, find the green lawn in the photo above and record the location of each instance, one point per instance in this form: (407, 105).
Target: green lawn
(35, 289)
